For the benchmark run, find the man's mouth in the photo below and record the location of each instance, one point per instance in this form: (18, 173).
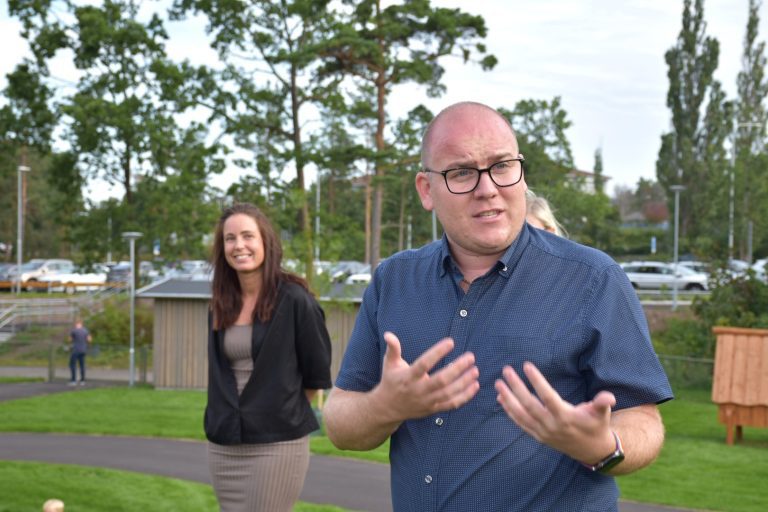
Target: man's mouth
(489, 213)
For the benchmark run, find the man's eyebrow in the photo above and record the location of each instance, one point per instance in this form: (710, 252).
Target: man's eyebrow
(496, 158)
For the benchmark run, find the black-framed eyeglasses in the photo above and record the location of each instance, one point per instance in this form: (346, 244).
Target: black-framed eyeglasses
(463, 180)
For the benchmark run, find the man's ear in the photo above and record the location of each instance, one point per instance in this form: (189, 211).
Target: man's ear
(424, 187)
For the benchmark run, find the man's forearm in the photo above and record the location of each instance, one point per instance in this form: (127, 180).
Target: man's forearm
(355, 421)
(642, 435)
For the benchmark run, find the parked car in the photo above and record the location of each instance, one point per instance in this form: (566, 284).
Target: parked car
(358, 278)
(655, 275)
(187, 268)
(341, 270)
(119, 273)
(733, 268)
(7, 275)
(760, 269)
(36, 268)
(696, 266)
(76, 281)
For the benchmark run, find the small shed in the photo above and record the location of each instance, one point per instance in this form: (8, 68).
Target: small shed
(740, 380)
(180, 336)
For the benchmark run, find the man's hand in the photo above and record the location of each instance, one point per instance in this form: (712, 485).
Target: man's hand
(356, 420)
(581, 431)
(410, 391)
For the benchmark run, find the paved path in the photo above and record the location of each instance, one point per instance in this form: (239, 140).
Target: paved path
(352, 484)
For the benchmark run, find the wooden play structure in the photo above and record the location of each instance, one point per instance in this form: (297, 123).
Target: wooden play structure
(740, 381)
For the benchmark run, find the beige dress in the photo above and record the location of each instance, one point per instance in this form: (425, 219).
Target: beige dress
(255, 477)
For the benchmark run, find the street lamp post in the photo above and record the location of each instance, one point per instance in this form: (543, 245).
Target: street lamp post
(20, 228)
(676, 189)
(132, 236)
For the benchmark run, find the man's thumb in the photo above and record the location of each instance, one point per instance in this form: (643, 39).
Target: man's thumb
(393, 353)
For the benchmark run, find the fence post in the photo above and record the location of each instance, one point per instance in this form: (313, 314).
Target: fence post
(143, 365)
(51, 363)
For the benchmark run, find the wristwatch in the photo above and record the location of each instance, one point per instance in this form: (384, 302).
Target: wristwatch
(611, 460)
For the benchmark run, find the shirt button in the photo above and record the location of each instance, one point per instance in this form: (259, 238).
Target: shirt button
(439, 421)
(463, 313)
(428, 479)
(504, 269)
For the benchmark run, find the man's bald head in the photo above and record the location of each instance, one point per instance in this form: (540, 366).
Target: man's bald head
(426, 140)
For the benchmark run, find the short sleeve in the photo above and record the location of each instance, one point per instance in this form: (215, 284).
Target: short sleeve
(361, 366)
(621, 358)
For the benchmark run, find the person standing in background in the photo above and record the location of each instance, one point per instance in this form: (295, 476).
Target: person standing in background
(540, 214)
(79, 338)
(269, 353)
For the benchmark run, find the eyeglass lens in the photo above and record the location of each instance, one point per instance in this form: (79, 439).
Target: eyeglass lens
(503, 174)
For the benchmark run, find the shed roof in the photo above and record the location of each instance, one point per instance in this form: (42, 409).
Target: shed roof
(188, 288)
(177, 288)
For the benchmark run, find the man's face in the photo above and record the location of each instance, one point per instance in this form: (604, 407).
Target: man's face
(487, 220)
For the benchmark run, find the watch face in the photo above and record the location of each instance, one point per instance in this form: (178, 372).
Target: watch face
(611, 461)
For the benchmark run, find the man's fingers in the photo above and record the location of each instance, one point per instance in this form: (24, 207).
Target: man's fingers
(515, 398)
(431, 357)
(546, 393)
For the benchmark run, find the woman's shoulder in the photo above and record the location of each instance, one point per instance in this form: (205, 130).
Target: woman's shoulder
(295, 292)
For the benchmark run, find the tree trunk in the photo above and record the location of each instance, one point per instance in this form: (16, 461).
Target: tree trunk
(304, 224)
(378, 198)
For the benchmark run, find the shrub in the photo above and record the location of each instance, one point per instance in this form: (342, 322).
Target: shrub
(112, 326)
(685, 337)
(740, 301)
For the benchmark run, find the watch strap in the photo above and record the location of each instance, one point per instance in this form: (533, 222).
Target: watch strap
(611, 460)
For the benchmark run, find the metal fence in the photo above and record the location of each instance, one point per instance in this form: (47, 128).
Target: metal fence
(688, 372)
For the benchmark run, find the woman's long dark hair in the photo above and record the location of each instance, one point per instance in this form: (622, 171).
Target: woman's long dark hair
(226, 300)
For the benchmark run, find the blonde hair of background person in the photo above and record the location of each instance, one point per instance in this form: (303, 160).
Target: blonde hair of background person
(540, 215)
(53, 505)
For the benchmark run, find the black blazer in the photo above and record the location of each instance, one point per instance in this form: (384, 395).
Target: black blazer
(294, 355)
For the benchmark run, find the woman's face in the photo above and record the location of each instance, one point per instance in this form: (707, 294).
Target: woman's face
(243, 245)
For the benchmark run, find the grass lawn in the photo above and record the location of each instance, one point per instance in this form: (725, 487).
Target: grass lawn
(695, 470)
(27, 485)
(16, 380)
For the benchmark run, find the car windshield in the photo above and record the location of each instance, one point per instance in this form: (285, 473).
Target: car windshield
(32, 265)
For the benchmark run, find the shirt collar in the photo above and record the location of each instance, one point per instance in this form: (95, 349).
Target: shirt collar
(504, 265)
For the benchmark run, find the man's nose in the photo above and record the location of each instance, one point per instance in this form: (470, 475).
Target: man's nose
(486, 186)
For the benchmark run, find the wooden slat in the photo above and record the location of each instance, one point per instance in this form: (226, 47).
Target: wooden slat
(721, 381)
(753, 364)
(762, 375)
(739, 370)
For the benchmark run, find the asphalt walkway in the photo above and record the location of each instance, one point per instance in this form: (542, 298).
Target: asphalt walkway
(348, 483)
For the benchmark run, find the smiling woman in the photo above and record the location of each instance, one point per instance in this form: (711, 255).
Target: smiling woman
(268, 353)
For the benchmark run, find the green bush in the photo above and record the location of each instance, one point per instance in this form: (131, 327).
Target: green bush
(685, 337)
(112, 325)
(735, 302)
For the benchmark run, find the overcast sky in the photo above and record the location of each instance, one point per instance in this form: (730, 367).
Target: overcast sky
(604, 58)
